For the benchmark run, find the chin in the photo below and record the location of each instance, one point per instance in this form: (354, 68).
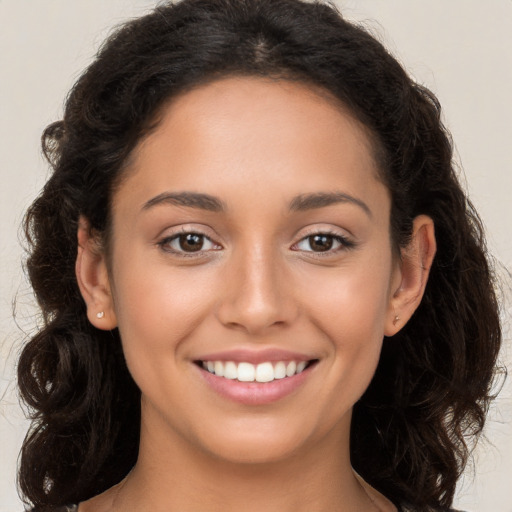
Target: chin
(266, 442)
(257, 452)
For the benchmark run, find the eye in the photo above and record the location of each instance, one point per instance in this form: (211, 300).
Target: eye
(323, 242)
(188, 242)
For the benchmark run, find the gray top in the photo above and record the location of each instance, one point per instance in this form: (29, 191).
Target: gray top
(74, 508)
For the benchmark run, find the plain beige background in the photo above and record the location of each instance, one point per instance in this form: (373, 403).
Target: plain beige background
(461, 49)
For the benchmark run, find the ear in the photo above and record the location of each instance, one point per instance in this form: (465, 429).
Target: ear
(93, 279)
(414, 268)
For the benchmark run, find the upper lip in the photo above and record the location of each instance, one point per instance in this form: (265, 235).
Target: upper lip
(256, 356)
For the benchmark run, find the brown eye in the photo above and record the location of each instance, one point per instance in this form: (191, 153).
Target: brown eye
(321, 243)
(188, 243)
(191, 242)
(324, 243)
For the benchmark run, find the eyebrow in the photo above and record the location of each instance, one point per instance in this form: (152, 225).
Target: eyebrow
(322, 199)
(302, 202)
(190, 199)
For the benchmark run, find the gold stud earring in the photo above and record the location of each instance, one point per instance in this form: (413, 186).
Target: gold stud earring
(396, 319)
(100, 315)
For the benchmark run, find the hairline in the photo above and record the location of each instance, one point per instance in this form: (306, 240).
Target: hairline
(371, 139)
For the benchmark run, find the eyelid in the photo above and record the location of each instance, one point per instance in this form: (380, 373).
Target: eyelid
(345, 241)
(164, 241)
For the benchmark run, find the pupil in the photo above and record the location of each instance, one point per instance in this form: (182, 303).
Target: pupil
(191, 242)
(320, 243)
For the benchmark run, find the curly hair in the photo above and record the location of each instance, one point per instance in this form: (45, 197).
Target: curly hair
(411, 430)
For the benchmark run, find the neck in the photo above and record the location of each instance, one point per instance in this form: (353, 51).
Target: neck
(180, 477)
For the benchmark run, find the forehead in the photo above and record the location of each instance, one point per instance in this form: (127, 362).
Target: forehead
(262, 106)
(243, 130)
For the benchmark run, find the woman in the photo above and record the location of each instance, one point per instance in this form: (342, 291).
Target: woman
(263, 285)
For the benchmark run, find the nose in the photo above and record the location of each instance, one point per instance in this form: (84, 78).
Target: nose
(258, 293)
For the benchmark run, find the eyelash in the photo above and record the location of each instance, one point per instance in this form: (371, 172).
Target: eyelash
(164, 244)
(345, 244)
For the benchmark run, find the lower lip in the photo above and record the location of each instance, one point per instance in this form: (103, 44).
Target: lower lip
(255, 393)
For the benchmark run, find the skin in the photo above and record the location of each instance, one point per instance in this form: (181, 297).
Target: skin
(258, 282)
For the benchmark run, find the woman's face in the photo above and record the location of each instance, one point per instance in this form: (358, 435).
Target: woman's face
(251, 235)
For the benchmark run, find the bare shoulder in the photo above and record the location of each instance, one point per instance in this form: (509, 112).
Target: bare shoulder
(101, 503)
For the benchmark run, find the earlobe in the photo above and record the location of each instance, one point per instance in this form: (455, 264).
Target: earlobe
(416, 260)
(93, 279)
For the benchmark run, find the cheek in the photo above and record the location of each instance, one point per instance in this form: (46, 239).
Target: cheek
(155, 295)
(350, 307)
(351, 303)
(157, 309)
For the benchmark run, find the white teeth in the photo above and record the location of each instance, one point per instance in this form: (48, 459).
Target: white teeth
(301, 366)
(280, 370)
(219, 368)
(290, 369)
(230, 370)
(264, 372)
(247, 372)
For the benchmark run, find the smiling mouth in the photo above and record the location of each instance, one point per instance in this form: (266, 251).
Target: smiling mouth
(262, 372)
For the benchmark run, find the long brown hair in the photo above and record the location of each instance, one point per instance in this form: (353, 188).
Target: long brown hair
(431, 390)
